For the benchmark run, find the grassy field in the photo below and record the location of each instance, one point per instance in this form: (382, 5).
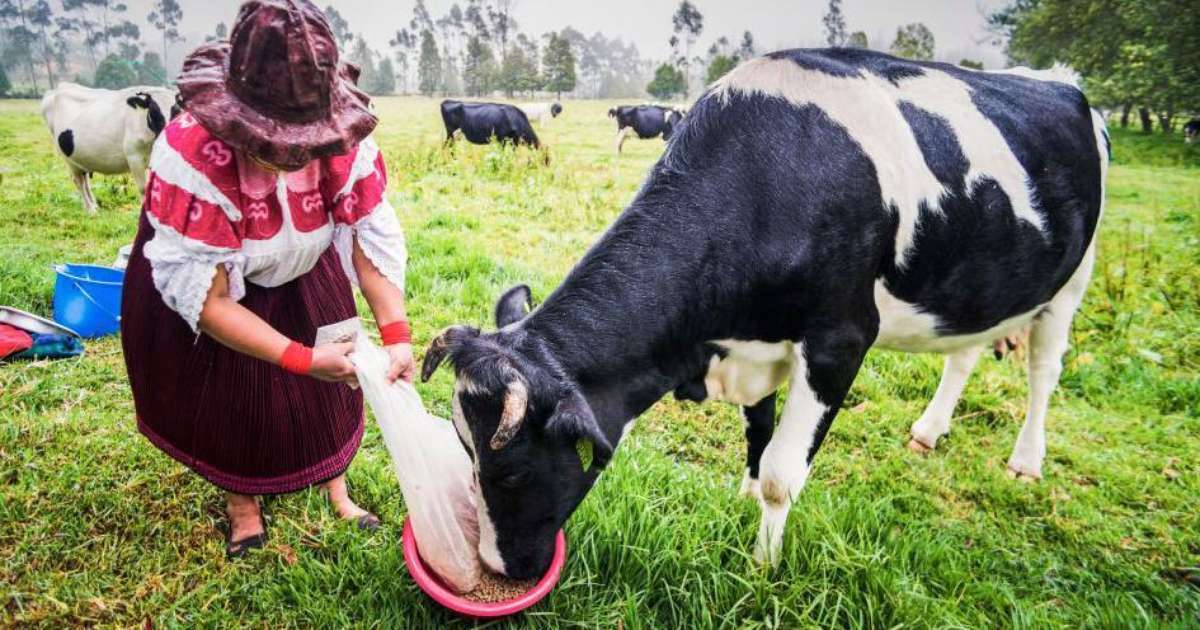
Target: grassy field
(97, 527)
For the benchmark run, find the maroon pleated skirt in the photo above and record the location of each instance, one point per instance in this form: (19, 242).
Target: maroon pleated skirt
(242, 423)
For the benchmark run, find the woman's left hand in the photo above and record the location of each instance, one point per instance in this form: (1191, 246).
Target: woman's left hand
(401, 365)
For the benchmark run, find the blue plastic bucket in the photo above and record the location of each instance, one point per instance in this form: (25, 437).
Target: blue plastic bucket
(87, 299)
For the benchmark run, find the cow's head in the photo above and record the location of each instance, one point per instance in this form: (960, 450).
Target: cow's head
(1191, 131)
(612, 112)
(674, 117)
(535, 446)
(555, 110)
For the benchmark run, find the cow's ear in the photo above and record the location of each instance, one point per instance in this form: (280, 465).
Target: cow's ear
(514, 305)
(141, 99)
(574, 421)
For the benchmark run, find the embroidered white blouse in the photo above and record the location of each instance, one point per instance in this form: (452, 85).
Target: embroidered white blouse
(211, 205)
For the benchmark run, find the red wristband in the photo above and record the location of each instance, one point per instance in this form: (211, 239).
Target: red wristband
(396, 332)
(297, 358)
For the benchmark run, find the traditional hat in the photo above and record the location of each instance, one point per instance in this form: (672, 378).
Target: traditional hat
(276, 90)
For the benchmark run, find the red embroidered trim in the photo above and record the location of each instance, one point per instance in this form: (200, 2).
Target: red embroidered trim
(396, 332)
(297, 358)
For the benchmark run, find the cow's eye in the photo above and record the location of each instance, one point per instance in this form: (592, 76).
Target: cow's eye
(515, 480)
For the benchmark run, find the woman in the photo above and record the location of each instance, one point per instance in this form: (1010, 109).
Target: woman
(265, 201)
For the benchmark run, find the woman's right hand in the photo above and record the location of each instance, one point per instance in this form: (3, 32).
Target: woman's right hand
(329, 363)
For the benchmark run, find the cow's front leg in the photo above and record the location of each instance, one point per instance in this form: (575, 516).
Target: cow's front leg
(760, 424)
(621, 133)
(825, 366)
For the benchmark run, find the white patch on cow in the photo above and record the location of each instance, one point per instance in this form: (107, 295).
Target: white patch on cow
(489, 550)
(625, 430)
(784, 468)
(749, 372)
(904, 326)
(987, 153)
(868, 108)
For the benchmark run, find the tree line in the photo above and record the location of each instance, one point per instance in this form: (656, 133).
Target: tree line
(1141, 55)
(475, 48)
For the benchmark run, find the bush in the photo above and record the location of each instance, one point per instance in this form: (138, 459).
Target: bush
(668, 81)
(115, 73)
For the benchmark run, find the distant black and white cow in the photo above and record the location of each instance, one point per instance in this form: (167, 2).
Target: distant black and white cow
(647, 121)
(817, 203)
(1191, 130)
(106, 131)
(481, 122)
(542, 113)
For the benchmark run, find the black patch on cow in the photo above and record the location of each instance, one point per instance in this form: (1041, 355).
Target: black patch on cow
(66, 142)
(938, 144)
(155, 121)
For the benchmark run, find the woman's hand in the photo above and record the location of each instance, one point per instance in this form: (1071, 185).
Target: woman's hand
(401, 365)
(329, 363)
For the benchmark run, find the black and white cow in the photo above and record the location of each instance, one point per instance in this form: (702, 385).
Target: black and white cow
(817, 203)
(106, 131)
(542, 113)
(481, 122)
(1191, 130)
(647, 121)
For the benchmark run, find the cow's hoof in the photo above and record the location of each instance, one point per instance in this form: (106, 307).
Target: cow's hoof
(919, 447)
(1024, 475)
(751, 488)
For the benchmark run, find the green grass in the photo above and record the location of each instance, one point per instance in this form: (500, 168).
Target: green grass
(97, 527)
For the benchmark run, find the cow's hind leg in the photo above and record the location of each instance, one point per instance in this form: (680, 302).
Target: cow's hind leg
(83, 184)
(1048, 342)
(760, 424)
(935, 422)
(825, 365)
(621, 134)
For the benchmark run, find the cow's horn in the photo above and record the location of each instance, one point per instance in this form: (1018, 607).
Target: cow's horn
(516, 399)
(440, 346)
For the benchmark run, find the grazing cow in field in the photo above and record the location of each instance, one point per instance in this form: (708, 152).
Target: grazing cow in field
(542, 113)
(481, 122)
(647, 121)
(106, 131)
(817, 204)
(1191, 130)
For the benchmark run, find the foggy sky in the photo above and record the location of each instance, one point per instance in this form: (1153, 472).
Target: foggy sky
(957, 25)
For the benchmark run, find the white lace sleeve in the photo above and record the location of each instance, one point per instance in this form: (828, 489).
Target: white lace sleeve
(381, 240)
(183, 271)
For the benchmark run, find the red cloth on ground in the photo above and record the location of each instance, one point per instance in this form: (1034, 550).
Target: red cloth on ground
(13, 340)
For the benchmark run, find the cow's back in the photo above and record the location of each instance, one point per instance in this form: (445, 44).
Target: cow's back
(969, 197)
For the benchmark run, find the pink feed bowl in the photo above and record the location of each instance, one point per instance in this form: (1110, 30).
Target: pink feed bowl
(429, 582)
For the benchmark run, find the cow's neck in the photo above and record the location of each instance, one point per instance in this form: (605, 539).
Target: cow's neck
(630, 322)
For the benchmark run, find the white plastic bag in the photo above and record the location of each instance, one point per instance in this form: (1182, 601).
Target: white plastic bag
(432, 467)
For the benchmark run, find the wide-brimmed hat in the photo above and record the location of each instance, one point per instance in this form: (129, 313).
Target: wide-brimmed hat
(276, 90)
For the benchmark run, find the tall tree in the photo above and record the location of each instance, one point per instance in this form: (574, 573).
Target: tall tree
(429, 69)
(858, 39)
(20, 38)
(835, 25)
(340, 27)
(688, 23)
(479, 67)
(220, 33)
(385, 83)
(914, 41)
(559, 65)
(404, 45)
(360, 54)
(5, 85)
(746, 48)
(165, 16)
(41, 16)
(83, 21)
